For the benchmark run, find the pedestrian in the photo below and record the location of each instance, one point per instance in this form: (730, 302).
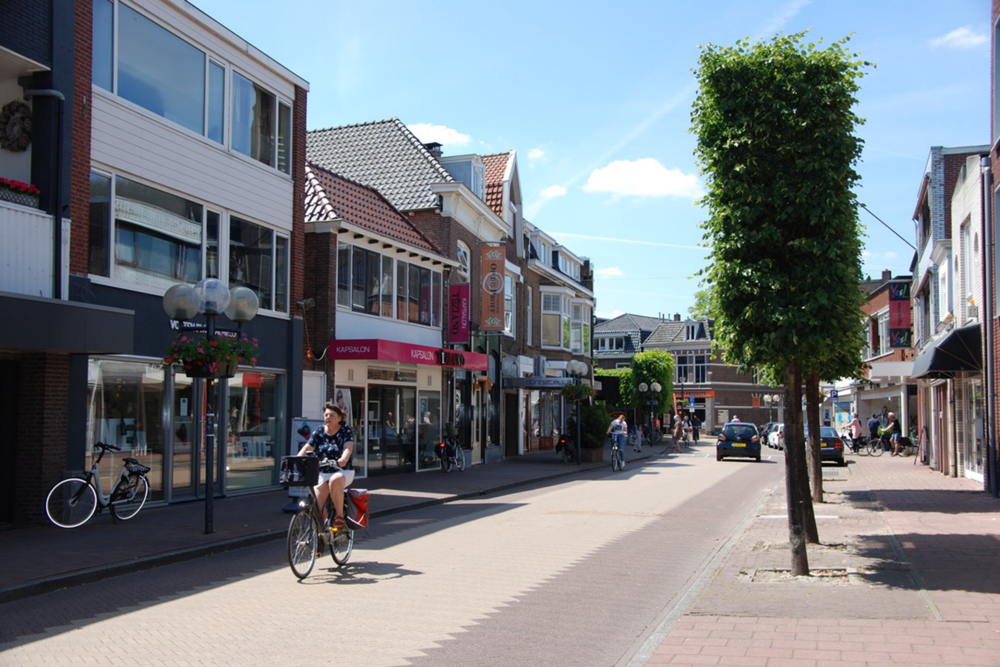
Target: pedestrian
(637, 440)
(895, 432)
(686, 425)
(873, 426)
(677, 433)
(695, 427)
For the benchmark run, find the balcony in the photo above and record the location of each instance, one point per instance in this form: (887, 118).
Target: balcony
(26, 254)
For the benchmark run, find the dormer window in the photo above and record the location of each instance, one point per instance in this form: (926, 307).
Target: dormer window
(692, 331)
(464, 262)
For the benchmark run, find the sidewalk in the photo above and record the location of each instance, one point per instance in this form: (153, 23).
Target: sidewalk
(905, 574)
(44, 558)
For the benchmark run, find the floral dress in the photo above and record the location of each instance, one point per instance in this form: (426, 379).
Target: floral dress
(331, 446)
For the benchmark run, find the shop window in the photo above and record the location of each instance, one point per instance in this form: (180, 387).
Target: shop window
(125, 409)
(256, 429)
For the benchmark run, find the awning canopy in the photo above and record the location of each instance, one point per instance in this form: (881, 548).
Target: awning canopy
(961, 351)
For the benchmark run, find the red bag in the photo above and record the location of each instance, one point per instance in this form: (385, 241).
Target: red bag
(357, 514)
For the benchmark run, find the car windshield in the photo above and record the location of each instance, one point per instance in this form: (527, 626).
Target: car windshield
(739, 432)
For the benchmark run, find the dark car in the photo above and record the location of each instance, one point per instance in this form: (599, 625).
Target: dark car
(831, 446)
(738, 439)
(767, 428)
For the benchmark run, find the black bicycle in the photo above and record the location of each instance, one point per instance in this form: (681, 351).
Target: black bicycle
(73, 501)
(311, 531)
(450, 451)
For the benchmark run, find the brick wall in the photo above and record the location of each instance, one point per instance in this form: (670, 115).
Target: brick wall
(80, 103)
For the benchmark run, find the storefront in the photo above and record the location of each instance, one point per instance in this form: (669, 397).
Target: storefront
(396, 395)
(158, 417)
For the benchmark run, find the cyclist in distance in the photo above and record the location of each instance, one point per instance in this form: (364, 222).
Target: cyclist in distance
(855, 427)
(333, 441)
(618, 430)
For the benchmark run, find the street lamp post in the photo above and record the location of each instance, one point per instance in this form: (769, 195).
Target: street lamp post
(576, 370)
(650, 392)
(210, 297)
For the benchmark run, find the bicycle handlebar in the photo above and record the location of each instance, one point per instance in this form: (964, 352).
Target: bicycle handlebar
(104, 447)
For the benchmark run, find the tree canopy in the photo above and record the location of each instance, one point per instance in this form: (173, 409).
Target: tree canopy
(776, 143)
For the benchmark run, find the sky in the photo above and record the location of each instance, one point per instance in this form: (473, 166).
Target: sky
(596, 98)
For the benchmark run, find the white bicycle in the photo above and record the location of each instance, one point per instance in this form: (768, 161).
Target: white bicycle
(72, 501)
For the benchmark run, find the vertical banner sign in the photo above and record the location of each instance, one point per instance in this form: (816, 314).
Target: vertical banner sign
(459, 313)
(900, 315)
(493, 264)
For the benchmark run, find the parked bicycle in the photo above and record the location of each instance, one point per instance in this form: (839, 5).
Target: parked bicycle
(450, 451)
(73, 501)
(310, 531)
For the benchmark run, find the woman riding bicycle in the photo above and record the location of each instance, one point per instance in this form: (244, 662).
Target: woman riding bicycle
(333, 441)
(856, 431)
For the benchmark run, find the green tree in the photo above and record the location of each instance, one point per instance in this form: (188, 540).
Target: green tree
(649, 367)
(776, 143)
(702, 308)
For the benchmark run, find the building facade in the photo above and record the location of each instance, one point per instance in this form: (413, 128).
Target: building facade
(177, 153)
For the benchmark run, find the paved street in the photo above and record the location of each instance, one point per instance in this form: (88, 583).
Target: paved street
(576, 572)
(681, 560)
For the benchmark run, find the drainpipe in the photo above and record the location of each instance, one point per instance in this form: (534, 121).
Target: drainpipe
(57, 208)
(989, 270)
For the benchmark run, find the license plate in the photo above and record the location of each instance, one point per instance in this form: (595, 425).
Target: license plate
(739, 444)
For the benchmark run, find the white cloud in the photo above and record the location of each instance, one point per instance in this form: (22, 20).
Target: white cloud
(610, 272)
(553, 191)
(609, 316)
(536, 155)
(961, 38)
(440, 134)
(645, 177)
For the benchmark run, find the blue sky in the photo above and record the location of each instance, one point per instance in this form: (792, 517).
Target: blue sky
(596, 100)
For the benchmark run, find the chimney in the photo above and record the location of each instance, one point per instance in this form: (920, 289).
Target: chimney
(677, 317)
(434, 148)
(886, 275)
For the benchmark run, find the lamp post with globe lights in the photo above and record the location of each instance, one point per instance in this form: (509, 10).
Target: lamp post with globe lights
(771, 399)
(211, 297)
(650, 393)
(577, 370)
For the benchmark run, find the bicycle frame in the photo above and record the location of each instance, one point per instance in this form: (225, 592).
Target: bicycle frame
(93, 477)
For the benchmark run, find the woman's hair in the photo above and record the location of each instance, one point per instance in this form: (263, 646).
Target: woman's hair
(330, 405)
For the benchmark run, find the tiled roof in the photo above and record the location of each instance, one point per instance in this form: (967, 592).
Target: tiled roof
(670, 332)
(383, 155)
(496, 169)
(627, 323)
(330, 196)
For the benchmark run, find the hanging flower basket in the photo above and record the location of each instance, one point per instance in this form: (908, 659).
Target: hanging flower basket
(218, 357)
(578, 392)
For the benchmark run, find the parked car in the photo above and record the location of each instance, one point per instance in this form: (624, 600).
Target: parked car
(776, 438)
(738, 439)
(766, 430)
(831, 445)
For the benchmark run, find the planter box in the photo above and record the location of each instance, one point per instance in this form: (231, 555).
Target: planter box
(588, 455)
(19, 198)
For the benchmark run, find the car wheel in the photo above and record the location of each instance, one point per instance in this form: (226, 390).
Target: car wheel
(718, 456)
(757, 458)
(842, 462)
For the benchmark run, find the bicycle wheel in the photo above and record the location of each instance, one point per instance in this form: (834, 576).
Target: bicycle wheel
(71, 503)
(343, 545)
(302, 544)
(875, 448)
(446, 461)
(459, 458)
(616, 462)
(129, 497)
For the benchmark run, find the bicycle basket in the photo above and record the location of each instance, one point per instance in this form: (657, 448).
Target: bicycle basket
(298, 471)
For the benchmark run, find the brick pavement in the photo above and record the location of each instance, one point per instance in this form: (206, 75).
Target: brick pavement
(904, 575)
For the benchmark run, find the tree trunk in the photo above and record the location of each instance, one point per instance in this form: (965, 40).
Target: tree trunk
(795, 466)
(812, 479)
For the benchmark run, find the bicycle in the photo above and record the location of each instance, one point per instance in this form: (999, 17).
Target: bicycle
(309, 531)
(617, 456)
(877, 446)
(74, 500)
(450, 452)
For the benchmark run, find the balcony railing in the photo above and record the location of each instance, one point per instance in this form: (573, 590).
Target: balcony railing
(26, 252)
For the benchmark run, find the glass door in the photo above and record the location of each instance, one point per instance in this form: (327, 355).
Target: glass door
(185, 436)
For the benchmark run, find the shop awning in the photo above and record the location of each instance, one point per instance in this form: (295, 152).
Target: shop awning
(960, 351)
(391, 350)
(69, 327)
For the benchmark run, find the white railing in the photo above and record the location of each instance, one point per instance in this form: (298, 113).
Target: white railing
(26, 251)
